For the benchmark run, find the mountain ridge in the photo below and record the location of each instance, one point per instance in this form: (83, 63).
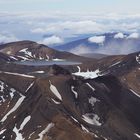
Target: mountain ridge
(108, 43)
(94, 100)
(29, 50)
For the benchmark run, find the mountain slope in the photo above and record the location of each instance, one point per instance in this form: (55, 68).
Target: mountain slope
(28, 50)
(94, 55)
(108, 43)
(58, 106)
(95, 100)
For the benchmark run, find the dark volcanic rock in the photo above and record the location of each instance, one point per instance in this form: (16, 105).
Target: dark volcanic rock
(49, 106)
(56, 70)
(4, 58)
(51, 103)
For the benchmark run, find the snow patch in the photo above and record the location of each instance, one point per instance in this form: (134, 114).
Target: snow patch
(93, 100)
(38, 72)
(13, 57)
(138, 59)
(18, 135)
(115, 64)
(31, 135)
(88, 74)
(85, 129)
(55, 91)
(92, 119)
(47, 57)
(23, 58)
(3, 100)
(90, 86)
(1, 86)
(135, 93)
(75, 93)
(41, 58)
(74, 119)
(79, 69)
(20, 100)
(2, 131)
(26, 52)
(25, 121)
(55, 101)
(17, 74)
(50, 125)
(56, 59)
(137, 135)
(12, 91)
(29, 86)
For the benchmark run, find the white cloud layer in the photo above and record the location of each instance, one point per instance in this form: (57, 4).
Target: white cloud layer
(53, 40)
(70, 26)
(119, 35)
(97, 39)
(77, 27)
(7, 38)
(114, 48)
(81, 49)
(133, 36)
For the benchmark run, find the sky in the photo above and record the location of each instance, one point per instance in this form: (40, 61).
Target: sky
(56, 22)
(71, 5)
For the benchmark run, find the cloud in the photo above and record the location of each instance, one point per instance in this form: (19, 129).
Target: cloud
(97, 39)
(112, 47)
(119, 35)
(86, 24)
(73, 27)
(66, 24)
(115, 48)
(70, 26)
(74, 23)
(81, 49)
(133, 36)
(38, 30)
(7, 38)
(53, 40)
